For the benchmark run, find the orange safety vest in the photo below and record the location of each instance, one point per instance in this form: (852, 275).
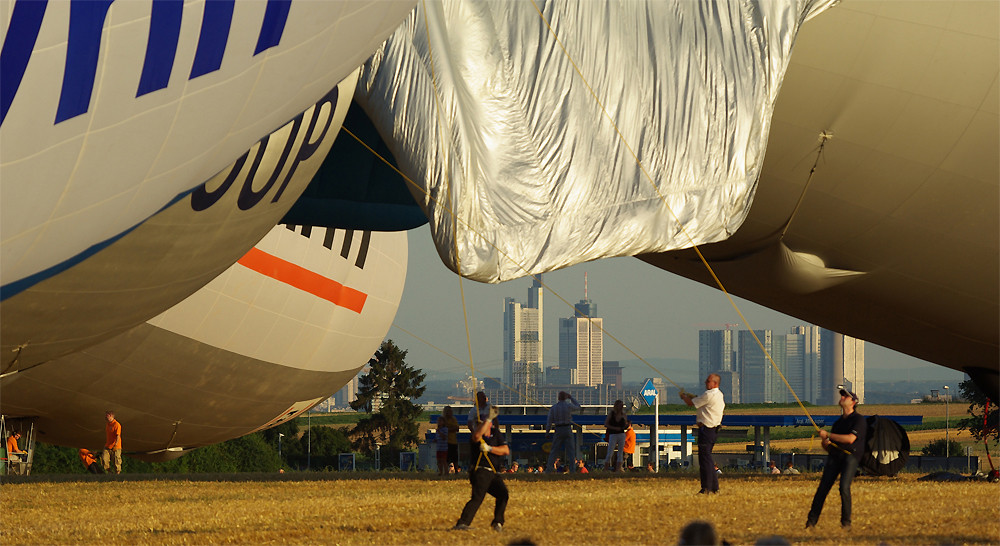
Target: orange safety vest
(629, 440)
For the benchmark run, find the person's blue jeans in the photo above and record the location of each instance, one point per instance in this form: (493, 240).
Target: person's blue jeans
(563, 442)
(846, 466)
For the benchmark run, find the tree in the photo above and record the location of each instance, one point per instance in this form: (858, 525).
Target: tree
(327, 444)
(386, 393)
(977, 406)
(937, 448)
(291, 449)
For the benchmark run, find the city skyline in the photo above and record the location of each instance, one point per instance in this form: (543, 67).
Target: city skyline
(655, 314)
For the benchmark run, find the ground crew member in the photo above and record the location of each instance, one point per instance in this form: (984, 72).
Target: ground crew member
(90, 462)
(113, 444)
(629, 446)
(844, 445)
(710, 406)
(487, 446)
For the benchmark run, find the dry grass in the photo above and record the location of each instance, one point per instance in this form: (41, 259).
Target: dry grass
(419, 509)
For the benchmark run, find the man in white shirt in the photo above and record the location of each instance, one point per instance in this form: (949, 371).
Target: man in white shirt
(709, 419)
(561, 419)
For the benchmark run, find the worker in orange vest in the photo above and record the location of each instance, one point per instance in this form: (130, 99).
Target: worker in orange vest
(90, 461)
(629, 448)
(113, 444)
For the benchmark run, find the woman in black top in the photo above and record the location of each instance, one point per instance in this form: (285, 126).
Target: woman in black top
(615, 424)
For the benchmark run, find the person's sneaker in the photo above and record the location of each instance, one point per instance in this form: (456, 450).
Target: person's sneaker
(497, 527)
(845, 525)
(810, 524)
(702, 492)
(460, 527)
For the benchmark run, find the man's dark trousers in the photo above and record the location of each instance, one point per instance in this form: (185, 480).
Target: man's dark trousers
(706, 464)
(836, 463)
(483, 482)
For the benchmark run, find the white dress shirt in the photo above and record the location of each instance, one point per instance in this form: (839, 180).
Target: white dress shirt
(710, 405)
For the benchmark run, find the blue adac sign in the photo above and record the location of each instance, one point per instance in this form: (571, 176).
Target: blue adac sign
(648, 392)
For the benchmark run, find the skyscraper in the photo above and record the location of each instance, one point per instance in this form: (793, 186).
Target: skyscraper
(717, 354)
(755, 369)
(581, 342)
(808, 388)
(813, 361)
(523, 338)
(842, 362)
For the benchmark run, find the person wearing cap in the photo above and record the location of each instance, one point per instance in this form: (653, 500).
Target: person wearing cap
(561, 418)
(487, 446)
(710, 406)
(844, 445)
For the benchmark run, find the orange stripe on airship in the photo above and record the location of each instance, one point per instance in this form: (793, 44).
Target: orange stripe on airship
(303, 279)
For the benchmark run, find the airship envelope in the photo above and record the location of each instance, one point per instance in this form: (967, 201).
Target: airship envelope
(540, 139)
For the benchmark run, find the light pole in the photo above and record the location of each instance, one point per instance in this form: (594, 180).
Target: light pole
(947, 418)
(279, 444)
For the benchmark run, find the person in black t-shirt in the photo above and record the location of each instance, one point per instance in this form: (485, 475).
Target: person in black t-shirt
(844, 445)
(486, 448)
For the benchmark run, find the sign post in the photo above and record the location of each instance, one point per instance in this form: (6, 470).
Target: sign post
(656, 435)
(652, 398)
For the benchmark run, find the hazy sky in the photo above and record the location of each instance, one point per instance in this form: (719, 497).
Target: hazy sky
(654, 313)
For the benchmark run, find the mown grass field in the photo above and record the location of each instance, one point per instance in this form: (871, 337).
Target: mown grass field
(419, 508)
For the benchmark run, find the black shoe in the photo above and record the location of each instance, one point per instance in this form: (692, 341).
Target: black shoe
(497, 527)
(460, 527)
(845, 525)
(810, 524)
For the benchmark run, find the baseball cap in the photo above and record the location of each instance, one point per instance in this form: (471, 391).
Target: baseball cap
(845, 392)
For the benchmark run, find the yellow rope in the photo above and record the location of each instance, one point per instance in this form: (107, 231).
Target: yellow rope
(461, 287)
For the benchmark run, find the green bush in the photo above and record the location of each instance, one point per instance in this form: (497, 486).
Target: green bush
(937, 448)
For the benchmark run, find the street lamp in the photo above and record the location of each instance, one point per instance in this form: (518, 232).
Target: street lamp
(947, 418)
(279, 444)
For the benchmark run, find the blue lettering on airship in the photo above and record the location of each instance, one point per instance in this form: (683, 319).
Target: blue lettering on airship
(86, 26)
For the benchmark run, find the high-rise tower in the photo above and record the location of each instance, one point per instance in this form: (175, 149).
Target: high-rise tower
(842, 362)
(581, 342)
(756, 371)
(523, 338)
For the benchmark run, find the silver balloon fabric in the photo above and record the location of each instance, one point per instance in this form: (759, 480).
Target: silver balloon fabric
(521, 170)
